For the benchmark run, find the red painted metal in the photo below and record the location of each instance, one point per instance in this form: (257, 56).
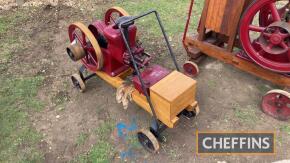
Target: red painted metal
(150, 76)
(277, 104)
(113, 48)
(265, 17)
(190, 69)
(114, 51)
(187, 22)
(271, 49)
(109, 16)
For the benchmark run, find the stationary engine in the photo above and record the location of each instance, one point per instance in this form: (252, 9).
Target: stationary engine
(109, 54)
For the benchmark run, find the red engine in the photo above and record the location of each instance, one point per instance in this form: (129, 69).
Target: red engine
(109, 53)
(113, 48)
(101, 47)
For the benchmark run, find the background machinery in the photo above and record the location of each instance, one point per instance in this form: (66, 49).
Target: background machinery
(252, 35)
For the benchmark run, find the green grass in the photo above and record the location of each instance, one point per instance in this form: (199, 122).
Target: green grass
(82, 139)
(101, 152)
(245, 114)
(134, 142)
(174, 154)
(173, 14)
(9, 42)
(286, 129)
(4, 24)
(60, 98)
(11, 20)
(18, 140)
(104, 130)
(8, 47)
(212, 84)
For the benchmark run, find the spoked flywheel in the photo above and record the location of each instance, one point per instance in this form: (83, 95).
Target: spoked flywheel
(113, 14)
(276, 103)
(267, 42)
(265, 15)
(84, 46)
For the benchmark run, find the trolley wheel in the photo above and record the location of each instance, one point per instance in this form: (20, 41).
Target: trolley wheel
(148, 140)
(276, 103)
(190, 69)
(78, 82)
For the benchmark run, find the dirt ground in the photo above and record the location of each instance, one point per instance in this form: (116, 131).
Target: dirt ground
(228, 98)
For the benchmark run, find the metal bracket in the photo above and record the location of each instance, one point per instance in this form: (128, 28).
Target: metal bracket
(81, 72)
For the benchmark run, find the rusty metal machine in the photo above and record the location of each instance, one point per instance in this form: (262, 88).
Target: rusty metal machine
(108, 48)
(252, 35)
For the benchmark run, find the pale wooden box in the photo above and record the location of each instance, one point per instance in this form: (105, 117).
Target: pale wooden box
(173, 94)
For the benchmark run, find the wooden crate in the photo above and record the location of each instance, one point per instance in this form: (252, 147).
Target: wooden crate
(222, 17)
(173, 94)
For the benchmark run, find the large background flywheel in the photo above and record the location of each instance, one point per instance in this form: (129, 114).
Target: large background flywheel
(265, 15)
(81, 35)
(267, 41)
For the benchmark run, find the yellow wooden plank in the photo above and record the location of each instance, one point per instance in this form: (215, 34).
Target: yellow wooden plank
(114, 81)
(220, 15)
(192, 106)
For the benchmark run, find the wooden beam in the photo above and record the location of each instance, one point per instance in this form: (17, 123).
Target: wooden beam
(230, 58)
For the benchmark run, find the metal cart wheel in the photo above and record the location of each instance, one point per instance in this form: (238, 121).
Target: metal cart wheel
(190, 69)
(276, 103)
(148, 140)
(78, 82)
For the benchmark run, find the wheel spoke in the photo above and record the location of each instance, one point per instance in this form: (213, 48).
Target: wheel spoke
(78, 38)
(284, 45)
(262, 53)
(270, 46)
(90, 53)
(112, 20)
(84, 39)
(268, 35)
(275, 12)
(284, 36)
(256, 28)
